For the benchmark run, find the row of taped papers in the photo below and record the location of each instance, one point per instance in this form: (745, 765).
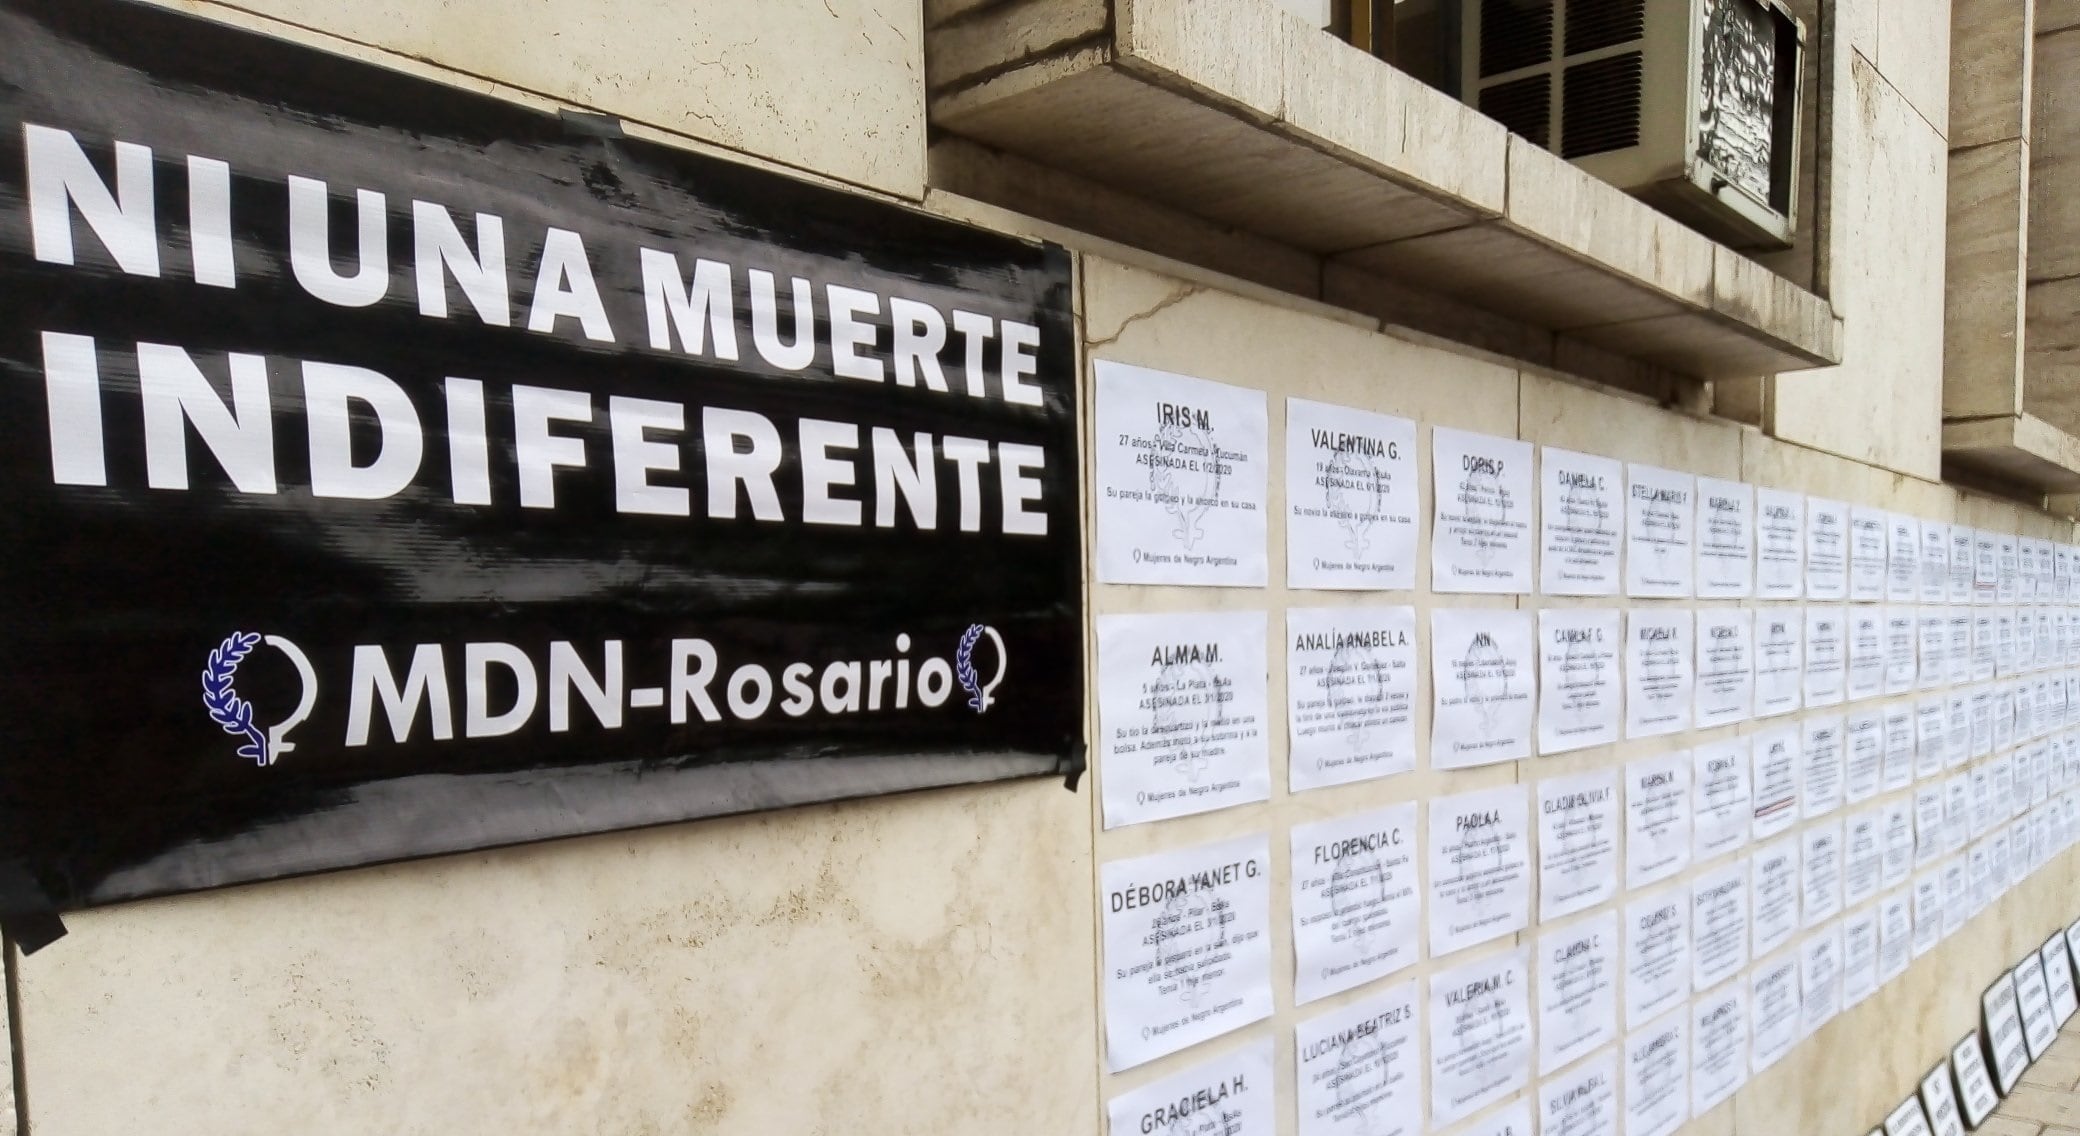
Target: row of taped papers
(1840, 963)
(1698, 1019)
(1357, 890)
(1359, 896)
(1183, 697)
(1183, 470)
(1848, 960)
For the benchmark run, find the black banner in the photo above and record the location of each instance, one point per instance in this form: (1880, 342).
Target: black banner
(391, 470)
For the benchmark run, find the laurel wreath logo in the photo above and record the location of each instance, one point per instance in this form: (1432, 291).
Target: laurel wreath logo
(225, 707)
(964, 666)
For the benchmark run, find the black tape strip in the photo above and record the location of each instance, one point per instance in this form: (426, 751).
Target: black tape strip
(589, 125)
(1078, 762)
(26, 911)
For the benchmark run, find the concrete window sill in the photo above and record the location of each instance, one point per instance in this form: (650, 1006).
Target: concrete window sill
(1240, 113)
(2018, 448)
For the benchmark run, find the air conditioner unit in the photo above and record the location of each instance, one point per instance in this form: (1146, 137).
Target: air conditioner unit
(1690, 105)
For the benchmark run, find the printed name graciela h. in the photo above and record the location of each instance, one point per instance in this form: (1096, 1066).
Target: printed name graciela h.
(408, 683)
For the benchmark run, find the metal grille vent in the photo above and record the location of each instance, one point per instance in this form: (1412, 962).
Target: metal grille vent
(1515, 33)
(1600, 105)
(1593, 24)
(1524, 105)
(1736, 115)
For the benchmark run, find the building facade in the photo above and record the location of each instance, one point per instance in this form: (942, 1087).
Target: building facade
(1244, 200)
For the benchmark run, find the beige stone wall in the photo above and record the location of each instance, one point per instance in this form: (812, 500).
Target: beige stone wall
(913, 964)
(728, 74)
(1883, 243)
(2052, 378)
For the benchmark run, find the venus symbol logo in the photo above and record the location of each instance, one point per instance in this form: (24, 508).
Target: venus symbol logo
(1354, 685)
(1581, 668)
(1583, 505)
(1355, 492)
(234, 714)
(1217, 1122)
(1484, 675)
(1185, 699)
(1486, 501)
(979, 696)
(1364, 1077)
(1190, 485)
(1358, 890)
(1194, 929)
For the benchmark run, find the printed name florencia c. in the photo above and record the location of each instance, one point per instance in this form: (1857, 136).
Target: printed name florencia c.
(1351, 846)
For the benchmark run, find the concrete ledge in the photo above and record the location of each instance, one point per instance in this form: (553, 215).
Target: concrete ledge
(1244, 115)
(2016, 447)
